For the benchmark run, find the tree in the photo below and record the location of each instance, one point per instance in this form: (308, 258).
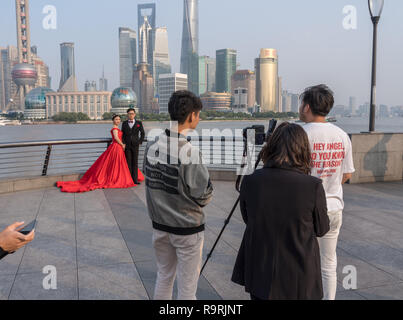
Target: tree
(82, 116)
(107, 116)
(71, 117)
(15, 116)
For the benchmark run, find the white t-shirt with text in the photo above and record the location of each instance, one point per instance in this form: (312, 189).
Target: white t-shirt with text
(331, 157)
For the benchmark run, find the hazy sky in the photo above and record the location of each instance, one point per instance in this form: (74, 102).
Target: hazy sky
(312, 44)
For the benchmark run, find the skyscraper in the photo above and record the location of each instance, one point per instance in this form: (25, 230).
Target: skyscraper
(127, 56)
(146, 18)
(203, 76)
(286, 98)
(103, 82)
(207, 68)
(8, 56)
(145, 48)
(160, 63)
(143, 85)
(240, 100)
(226, 67)
(211, 74)
(279, 100)
(190, 43)
(168, 84)
(146, 10)
(353, 105)
(68, 80)
(42, 70)
(266, 69)
(2, 82)
(245, 79)
(295, 102)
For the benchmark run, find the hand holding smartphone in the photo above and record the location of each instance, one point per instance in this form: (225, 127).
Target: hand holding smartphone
(28, 228)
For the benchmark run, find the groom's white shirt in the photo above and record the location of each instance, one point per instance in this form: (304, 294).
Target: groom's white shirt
(132, 124)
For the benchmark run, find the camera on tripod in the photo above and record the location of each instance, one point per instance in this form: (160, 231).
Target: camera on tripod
(260, 138)
(260, 135)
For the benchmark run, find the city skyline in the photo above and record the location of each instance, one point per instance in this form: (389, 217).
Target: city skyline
(341, 58)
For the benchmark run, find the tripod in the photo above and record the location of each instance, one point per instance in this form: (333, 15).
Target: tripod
(272, 126)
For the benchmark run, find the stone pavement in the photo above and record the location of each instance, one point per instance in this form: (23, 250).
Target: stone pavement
(100, 244)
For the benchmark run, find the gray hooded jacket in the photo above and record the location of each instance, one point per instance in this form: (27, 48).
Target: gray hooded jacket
(178, 184)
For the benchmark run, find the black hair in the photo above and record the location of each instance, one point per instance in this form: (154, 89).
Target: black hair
(131, 109)
(288, 145)
(320, 99)
(115, 116)
(181, 104)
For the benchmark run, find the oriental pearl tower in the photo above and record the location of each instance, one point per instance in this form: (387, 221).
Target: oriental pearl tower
(23, 73)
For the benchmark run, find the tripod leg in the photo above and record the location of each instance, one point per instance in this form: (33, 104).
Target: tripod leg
(219, 236)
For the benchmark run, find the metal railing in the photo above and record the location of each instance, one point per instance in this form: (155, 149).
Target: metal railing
(35, 158)
(55, 157)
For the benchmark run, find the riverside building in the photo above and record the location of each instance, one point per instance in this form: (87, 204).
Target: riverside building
(94, 104)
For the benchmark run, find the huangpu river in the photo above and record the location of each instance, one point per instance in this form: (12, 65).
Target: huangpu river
(11, 134)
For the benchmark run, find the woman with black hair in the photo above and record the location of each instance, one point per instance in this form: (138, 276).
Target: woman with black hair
(109, 171)
(284, 209)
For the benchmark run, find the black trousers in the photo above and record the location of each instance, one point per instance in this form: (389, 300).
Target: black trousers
(132, 158)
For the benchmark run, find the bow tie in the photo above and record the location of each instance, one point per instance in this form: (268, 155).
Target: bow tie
(131, 121)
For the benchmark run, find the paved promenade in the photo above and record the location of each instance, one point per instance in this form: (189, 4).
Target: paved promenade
(100, 244)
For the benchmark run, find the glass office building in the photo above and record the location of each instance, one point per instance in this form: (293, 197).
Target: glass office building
(127, 55)
(206, 73)
(68, 80)
(225, 68)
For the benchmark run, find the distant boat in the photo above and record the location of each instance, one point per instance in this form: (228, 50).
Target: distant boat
(331, 119)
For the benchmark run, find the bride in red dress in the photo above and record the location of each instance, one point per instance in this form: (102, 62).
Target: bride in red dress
(109, 171)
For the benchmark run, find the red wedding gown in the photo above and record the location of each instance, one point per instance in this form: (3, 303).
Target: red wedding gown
(109, 171)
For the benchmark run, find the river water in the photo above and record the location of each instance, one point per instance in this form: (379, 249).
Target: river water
(11, 134)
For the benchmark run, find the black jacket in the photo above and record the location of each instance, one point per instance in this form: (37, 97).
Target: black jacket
(284, 211)
(133, 137)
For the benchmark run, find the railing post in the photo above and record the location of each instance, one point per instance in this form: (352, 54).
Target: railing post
(46, 163)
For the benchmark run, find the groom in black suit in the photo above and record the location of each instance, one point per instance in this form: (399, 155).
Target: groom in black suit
(133, 137)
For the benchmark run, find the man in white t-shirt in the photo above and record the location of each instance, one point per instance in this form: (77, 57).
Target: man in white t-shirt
(331, 161)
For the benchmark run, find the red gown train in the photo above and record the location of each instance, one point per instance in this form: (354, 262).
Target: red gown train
(109, 171)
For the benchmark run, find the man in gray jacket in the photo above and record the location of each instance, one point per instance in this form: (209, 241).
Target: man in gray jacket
(178, 186)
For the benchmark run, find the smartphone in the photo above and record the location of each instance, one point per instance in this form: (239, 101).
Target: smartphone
(28, 228)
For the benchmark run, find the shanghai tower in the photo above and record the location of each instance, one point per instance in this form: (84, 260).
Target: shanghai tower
(190, 43)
